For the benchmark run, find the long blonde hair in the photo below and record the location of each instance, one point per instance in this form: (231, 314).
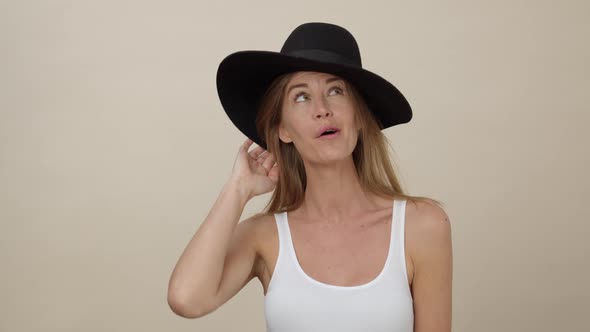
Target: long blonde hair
(371, 158)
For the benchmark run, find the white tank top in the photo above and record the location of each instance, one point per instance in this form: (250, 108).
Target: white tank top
(295, 302)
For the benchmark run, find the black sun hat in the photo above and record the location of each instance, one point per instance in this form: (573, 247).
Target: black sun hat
(244, 76)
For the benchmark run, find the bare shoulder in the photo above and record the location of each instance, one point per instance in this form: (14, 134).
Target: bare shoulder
(428, 228)
(427, 216)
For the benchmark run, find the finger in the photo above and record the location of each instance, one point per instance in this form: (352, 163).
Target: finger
(247, 143)
(269, 161)
(273, 174)
(256, 152)
(262, 157)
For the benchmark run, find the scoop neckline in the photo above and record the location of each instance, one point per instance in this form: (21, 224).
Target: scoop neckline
(339, 287)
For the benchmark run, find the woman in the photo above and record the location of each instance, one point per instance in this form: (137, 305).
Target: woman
(340, 246)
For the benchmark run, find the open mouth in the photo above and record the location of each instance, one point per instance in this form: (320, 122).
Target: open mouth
(330, 133)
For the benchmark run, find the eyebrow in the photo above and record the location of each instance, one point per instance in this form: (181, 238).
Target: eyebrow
(303, 85)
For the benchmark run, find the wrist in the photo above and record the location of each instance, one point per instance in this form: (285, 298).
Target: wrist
(236, 185)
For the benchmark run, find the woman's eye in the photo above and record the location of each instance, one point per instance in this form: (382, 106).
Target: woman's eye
(302, 94)
(299, 95)
(337, 88)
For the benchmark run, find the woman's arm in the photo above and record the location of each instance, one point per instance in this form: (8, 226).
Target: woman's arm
(221, 257)
(204, 263)
(433, 270)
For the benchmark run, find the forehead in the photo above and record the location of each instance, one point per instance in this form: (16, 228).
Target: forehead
(310, 76)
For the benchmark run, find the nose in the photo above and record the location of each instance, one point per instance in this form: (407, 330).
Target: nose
(321, 108)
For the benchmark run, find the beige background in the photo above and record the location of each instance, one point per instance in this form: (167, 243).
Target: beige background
(114, 146)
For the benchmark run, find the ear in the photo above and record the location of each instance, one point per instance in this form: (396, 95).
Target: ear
(284, 135)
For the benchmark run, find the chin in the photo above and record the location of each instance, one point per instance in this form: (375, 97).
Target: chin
(335, 155)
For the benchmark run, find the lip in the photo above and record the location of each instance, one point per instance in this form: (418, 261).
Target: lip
(324, 128)
(330, 136)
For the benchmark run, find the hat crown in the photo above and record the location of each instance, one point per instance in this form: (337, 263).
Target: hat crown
(322, 41)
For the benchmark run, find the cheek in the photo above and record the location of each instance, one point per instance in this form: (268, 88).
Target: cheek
(346, 110)
(343, 104)
(297, 127)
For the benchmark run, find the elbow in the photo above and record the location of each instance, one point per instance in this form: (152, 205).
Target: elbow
(183, 307)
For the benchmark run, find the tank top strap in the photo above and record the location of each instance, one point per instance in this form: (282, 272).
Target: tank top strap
(284, 240)
(281, 232)
(399, 225)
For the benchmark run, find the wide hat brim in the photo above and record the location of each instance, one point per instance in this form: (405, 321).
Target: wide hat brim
(244, 76)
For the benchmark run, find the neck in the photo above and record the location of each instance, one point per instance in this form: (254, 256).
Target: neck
(334, 193)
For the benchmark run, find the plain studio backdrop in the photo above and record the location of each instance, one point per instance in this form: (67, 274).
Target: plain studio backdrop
(114, 146)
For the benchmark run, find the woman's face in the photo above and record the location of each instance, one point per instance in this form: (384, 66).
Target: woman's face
(312, 101)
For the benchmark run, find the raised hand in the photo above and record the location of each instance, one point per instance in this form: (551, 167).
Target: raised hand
(256, 171)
